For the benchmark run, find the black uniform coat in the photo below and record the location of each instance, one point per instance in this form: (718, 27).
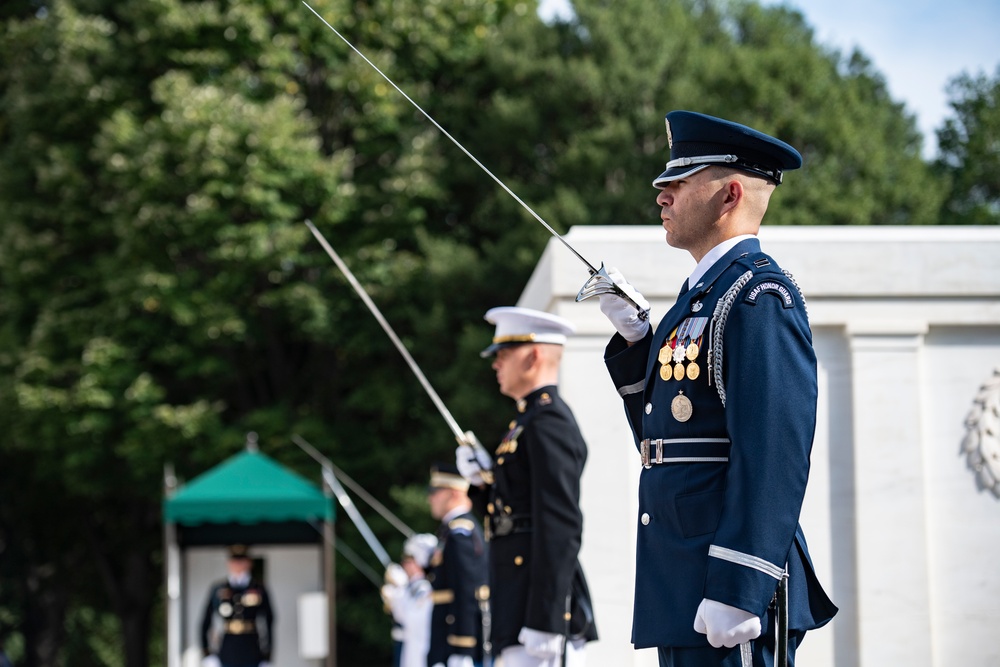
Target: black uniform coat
(246, 621)
(458, 568)
(536, 525)
(718, 518)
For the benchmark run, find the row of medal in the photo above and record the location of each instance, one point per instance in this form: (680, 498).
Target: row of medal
(684, 344)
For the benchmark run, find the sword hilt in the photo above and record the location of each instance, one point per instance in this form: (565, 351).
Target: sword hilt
(601, 283)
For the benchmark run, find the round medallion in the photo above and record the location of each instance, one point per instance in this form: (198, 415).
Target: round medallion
(225, 610)
(679, 372)
(693, 371)
(692, 351)
(666, 371)
(681, 408)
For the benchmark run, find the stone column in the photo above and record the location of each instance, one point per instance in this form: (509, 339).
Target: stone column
(893, 570)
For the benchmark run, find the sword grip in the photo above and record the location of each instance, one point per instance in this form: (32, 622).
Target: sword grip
(601, 283)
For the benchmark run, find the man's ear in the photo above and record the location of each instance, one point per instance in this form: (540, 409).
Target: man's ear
(732, 194)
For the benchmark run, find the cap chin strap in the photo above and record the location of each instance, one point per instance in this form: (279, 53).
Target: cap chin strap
(701, 159)
(734, 160)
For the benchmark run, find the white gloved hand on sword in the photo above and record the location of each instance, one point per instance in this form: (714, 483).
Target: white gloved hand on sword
(623, 315)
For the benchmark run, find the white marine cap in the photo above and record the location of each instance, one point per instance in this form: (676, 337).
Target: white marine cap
(516, 325)
(419, 547)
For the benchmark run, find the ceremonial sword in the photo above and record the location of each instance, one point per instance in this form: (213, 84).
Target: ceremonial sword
(345, 501)
(463, 437)
(599, 281)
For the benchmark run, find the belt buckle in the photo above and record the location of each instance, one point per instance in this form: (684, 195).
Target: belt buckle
(644, 454)
(659, 449)
(502, 525)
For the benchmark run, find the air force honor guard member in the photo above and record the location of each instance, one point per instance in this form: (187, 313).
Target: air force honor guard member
(237, 623)
(531, 492)
(721, 398)
(458, 571)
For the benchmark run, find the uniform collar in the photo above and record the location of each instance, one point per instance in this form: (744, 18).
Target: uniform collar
(745, 245)
(454, 514)
(713, 256)
(240, 582)
(532, 398)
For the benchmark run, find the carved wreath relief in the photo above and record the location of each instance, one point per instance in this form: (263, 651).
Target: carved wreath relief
(981, 444)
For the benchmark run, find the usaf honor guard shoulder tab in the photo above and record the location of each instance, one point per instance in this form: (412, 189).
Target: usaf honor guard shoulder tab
(461, 526)
(769, 285)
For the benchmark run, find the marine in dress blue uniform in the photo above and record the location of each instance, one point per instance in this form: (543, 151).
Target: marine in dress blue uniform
(240, 609)
(532, 501)
(457, 573)
(721, 399)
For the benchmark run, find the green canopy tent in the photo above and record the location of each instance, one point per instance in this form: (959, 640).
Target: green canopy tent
(250, 499)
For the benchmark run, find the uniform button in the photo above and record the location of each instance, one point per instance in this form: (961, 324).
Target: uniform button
(518, 560)
(649, 408)
(645, 519)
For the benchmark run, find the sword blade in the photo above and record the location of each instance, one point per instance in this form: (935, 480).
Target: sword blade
(463, 437)
(356, 518)
(455, 141)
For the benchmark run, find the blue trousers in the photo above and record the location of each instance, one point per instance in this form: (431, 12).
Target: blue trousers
(707, 656)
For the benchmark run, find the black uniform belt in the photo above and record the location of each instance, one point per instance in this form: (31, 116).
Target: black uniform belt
(506, 524)
(654, 451)
(239, 626)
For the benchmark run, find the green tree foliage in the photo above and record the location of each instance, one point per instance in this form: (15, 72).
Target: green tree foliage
(162, 296)
(969, 147)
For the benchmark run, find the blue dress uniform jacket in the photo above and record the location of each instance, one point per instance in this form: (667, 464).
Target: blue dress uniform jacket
(725, 474)
(246, 623)
(458, 568)
(536, 525)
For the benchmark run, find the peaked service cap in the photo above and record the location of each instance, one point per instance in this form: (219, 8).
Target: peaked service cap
(446, 476)
(516, 326)
(698, 141)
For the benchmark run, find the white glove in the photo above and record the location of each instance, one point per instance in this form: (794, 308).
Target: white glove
(725, 626)
(395, 575)
(471, 462)
(211, 661)
(623, 314)
(391, 595)
(460, 661)
(543, 645)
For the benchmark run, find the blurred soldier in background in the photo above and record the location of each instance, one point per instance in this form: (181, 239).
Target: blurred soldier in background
(530, 491)
(458, 569)
(236, 626)
(407, 594)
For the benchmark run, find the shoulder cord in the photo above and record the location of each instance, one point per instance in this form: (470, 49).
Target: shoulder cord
(802, 296)
(719, 318)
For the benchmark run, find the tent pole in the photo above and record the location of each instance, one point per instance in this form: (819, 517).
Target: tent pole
(331, 592)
